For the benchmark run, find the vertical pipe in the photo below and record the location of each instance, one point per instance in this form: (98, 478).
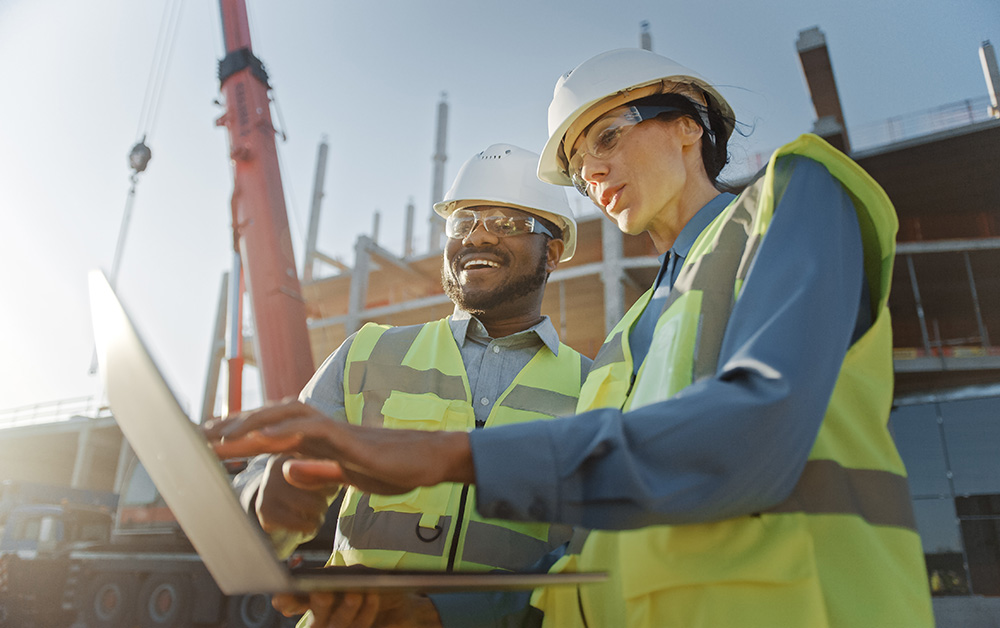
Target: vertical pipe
(988, 57)
(314, 211)
(437, 187)
(645, 39)
(408, 231)
(984, 335)
(920, 306)
(358, 292)
(614, 289)
(216, 354)
(376, 224)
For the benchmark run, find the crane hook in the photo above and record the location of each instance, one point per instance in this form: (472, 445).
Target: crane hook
(139, 157)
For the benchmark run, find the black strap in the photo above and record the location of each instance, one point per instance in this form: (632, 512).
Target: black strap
(238, 60)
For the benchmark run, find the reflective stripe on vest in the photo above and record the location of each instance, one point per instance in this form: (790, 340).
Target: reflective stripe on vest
(413, 377)
(842, 549)
(879, 497)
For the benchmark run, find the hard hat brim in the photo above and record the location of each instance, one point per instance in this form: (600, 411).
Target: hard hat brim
(550, 165)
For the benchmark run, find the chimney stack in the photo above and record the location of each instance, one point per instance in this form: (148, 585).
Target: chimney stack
(988, 56)
(815, 60)
(408, 232)
(437, 191)
(645, 39)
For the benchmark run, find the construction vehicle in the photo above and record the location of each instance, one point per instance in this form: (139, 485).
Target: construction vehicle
(105, 560)
(70, 557)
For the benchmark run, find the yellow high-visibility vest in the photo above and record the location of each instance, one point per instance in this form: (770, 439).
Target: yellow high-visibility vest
(413, 378)
(842, 550)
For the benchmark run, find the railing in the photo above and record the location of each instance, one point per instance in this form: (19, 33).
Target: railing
(904, 127)
(919, 124)
(53, 411)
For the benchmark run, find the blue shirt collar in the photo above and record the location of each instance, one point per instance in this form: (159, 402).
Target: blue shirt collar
(464, 325)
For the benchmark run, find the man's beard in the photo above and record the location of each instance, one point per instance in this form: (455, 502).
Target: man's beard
(483, 302)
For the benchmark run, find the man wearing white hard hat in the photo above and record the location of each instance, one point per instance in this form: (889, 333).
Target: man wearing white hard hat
(496, 360)
(731, 442)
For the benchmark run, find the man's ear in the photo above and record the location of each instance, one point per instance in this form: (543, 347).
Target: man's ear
(554, 253)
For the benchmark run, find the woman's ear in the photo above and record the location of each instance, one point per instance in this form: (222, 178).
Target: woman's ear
(691, 131)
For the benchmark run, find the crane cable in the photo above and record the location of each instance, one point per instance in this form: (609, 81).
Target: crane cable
(140, 154)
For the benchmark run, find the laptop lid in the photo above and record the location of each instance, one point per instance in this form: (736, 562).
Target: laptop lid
(196, 486)
(177, 457)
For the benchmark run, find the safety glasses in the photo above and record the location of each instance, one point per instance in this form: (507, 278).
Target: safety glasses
(499, 222)
(603, 135)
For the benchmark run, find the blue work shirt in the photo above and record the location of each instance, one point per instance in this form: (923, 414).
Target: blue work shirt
(491, 365)
(729, 445)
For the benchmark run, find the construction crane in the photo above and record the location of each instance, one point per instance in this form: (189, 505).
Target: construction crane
(261, 237)
(117, 560)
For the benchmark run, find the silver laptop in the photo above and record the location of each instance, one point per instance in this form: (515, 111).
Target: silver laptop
(196, 486)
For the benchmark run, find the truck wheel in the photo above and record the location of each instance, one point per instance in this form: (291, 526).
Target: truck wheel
(252, 611)
(164, 602)
(109, 602)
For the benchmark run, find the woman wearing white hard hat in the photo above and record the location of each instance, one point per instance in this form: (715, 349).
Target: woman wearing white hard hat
(735, 421)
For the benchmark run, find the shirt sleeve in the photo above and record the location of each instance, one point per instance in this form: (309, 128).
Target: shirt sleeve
(729, 445)
(325, 392)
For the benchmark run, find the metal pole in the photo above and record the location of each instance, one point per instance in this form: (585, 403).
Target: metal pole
(614, 291)
(437, 184)
(920, 306)
(408, 232)
(217, 353)
(984, 335)
(358, 292)
(317, 201)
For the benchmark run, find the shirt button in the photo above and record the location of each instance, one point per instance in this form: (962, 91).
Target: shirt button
(484, 401)
(496, 349)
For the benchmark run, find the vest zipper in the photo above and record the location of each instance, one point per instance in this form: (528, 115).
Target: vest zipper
(458, 528)
(459, 520)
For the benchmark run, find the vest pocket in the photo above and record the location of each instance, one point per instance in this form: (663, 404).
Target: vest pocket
(423, 412)
(407, 411)
(770, 549)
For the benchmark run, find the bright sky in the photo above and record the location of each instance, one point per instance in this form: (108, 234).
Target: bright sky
(368, 75)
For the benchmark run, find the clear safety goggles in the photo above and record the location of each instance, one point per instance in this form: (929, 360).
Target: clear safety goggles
(499, 222)
(602, 136)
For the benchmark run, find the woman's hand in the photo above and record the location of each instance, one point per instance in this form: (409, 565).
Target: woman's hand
(328, 452)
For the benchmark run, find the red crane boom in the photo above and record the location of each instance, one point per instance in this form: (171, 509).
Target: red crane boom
(260, 221)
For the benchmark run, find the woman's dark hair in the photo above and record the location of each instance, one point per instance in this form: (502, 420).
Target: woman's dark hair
(714, 152)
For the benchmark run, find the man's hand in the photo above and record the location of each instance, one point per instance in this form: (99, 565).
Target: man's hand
(361, 610)
(286, 506)
(376, 460)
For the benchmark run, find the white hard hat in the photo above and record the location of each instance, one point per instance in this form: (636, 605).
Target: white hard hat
(504, 174)
(604, 82)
